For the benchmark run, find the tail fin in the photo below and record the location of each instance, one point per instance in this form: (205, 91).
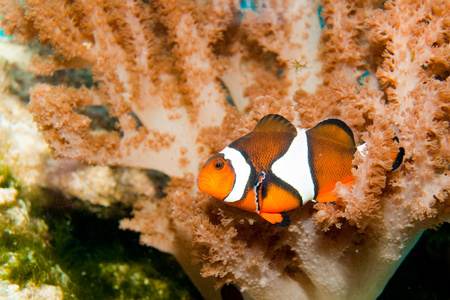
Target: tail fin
(397, 157)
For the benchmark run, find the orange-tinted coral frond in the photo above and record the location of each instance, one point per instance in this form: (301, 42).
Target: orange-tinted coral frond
(14, 21)
(68, 132)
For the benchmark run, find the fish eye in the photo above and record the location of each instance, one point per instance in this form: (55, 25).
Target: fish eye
(218, 164)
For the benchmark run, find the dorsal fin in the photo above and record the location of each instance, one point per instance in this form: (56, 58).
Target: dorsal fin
(275, 123)
(333, 129)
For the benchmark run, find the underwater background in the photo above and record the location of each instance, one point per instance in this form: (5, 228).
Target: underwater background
(63, 242)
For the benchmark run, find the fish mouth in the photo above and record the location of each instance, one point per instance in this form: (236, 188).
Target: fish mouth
(202, 184)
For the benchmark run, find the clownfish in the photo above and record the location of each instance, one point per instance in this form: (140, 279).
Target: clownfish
(278, 167)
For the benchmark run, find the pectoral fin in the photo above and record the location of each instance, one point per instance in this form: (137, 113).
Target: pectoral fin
(280, 219)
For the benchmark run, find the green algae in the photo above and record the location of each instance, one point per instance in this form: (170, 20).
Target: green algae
(25, 253)
(58, 242)
(22, 256)
(105, 262)
(7, 180)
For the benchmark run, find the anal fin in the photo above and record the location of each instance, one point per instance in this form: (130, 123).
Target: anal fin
(280, 219)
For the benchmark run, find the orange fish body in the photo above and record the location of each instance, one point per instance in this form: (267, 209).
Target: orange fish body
(277, 167)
